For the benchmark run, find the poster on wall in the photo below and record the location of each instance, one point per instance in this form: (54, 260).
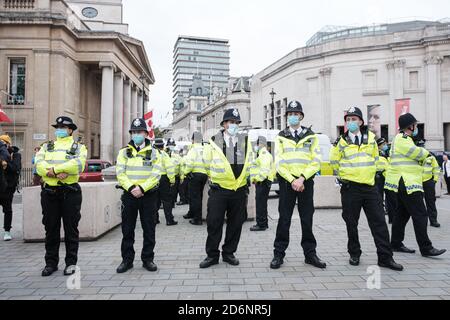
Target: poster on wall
(402, 106)
(374, 119)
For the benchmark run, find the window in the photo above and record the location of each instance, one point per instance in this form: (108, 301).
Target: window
(369, 80)
(16, 81)
(313, 87)
(199, 107)
(18, 139)
(414, 79)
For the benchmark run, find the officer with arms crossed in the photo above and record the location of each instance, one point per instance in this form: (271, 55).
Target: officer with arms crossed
(194, 170)
(354, 158)
(138, 172)
(176, 161)
(166, 184)
(297, 160)
(431, 173)
(60, 164)
(262, 174)
(228, 158)
(405, 177)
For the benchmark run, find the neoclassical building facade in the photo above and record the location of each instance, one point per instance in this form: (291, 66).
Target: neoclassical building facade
(53, 63)
(364, 66)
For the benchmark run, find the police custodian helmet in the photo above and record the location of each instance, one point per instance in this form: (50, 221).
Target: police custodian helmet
(406, 121)
(65, 122)
(231, 114)
(354, 111)
(295, 106)
(138, 125)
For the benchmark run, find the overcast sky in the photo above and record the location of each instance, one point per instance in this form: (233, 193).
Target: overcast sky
(260, 31)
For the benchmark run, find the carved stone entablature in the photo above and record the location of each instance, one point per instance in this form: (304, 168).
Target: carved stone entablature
(433, 60)
(326, 71)
(399, 63)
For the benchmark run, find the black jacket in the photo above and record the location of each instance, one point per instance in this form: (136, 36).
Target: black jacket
(12, 172)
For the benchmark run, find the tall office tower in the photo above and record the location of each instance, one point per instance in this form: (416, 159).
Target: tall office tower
(197, 58)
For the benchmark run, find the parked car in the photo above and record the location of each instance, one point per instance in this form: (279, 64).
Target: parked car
(93, 171)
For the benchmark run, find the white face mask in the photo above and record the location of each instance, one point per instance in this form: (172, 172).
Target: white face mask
(233, 129)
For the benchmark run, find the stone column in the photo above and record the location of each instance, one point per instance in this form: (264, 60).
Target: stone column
(126, 111)
(134, 102)
(325, 87)
(396, 91)
(139, 104)
(107, 111)
(119, 77)
(434, 131)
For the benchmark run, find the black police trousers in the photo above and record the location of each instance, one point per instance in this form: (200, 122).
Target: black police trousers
(197, 183)
(147, 208)
(6, 199)
(60, 203)
(183, 190)
(429, 189)
(174, 191)
(262, 196)
(165, 197)
(223, 202)
(355, 197)
(391, 204)
(286, 205)
(410, 206)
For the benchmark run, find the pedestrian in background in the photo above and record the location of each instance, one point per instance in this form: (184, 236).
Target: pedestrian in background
(446, 170)
(12, 175)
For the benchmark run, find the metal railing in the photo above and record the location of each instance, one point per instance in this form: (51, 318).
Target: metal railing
(18, 4)
(26, 178)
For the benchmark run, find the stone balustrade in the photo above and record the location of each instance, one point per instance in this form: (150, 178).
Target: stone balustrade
(18, 4)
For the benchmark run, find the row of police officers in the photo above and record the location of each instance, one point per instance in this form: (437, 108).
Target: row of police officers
(148, 175)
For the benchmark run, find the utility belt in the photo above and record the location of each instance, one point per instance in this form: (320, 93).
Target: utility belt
(62, 188)
(215, 186)
(153, 190)
(267, 181)
(347, 184)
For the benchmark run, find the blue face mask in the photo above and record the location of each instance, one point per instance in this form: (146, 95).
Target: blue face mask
(233, 129)
(61, 133)
(416, 132)
(293, 121)
(352, 126)
(385, 148)
(138, 139)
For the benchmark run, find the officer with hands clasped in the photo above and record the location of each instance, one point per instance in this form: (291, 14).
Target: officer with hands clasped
(138, 171)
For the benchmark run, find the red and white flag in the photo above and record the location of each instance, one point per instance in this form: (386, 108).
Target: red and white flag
(3, 116)
(148, 117)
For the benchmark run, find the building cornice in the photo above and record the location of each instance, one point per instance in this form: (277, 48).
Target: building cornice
(419, 43)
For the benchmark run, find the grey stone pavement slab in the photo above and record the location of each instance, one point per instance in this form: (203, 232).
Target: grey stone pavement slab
(180, 249)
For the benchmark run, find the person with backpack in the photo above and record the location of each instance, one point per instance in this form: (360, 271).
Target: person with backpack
(11, 168)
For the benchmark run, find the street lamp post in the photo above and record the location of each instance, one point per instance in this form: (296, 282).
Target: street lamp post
(272, 94)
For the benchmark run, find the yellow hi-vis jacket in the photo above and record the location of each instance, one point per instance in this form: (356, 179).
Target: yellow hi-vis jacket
(168, 167)
(263, 168)
(406, 162)
(431, 169)
(176, 161)
(65, 156)
(353, 163)
(219, 169)
(141, 168)
(383, 164)
(193, 162)
(293, 160)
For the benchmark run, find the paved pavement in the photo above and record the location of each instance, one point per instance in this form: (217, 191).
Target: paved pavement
(180, 249)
